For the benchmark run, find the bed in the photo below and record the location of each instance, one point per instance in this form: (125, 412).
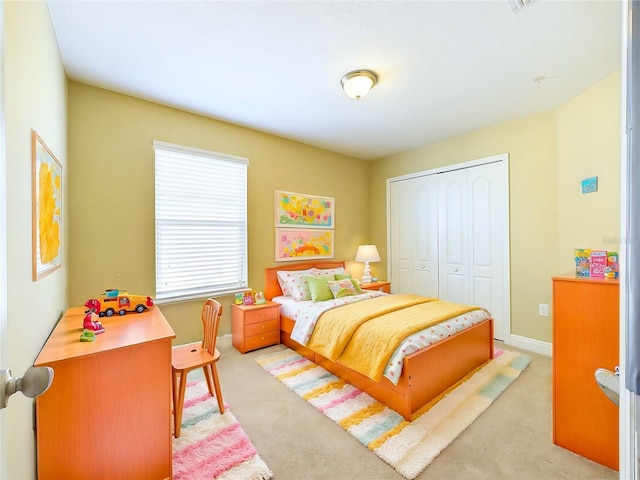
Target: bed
(425, 374)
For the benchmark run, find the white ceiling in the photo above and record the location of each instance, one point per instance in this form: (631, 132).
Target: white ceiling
(444, 67)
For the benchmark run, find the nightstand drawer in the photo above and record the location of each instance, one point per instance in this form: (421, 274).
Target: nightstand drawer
(263, 340)
(377, 286)
(262, 327)
(260, 315)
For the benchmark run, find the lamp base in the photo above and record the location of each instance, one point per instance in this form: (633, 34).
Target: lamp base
(366, 274)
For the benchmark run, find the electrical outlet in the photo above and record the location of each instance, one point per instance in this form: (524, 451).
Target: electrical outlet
(543, 310)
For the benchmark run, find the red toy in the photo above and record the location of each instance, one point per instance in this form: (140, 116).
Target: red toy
(91, 321)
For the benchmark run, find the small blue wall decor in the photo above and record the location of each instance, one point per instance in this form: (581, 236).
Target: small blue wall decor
(590, 185)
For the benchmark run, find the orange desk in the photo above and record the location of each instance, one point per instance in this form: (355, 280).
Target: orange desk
(107, 414)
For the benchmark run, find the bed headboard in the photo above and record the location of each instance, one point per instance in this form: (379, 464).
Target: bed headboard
(271, 285)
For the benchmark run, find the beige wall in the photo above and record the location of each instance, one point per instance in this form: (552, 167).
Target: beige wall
(589, 136)
(35, 98)
(111, 193)
(549, 154)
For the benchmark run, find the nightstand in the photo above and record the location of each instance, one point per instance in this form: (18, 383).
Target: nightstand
(255, 326)
(380, 286)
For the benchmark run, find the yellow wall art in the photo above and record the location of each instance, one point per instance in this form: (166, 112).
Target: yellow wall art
(46, 201)
(299, 244)
(304, 211)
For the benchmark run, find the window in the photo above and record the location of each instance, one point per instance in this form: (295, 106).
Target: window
(201, 222)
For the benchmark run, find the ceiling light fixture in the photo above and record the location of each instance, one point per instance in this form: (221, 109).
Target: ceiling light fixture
(357, 84)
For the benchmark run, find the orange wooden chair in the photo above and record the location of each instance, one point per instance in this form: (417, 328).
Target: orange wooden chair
(185, 358)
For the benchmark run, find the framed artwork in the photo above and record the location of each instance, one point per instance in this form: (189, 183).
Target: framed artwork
(303, 211)
(301, 244)
(46, 201)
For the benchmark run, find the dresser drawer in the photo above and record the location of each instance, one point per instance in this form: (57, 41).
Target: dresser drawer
(262, 327)
(262, 340)
(260, 315)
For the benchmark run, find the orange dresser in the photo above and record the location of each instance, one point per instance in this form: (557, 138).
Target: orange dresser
(255, 326)
(107, 414)
(585, 337)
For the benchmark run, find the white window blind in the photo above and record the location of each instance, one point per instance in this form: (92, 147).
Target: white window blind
(201, 222)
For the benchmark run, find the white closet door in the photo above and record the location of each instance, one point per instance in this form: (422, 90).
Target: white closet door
(453, 232)
(425, 236)
(401, 226)
(486, 266)
(449, 237)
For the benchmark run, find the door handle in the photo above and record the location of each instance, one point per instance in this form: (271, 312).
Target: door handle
(35, 382)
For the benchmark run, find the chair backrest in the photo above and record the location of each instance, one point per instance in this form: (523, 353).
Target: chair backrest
(211, 314)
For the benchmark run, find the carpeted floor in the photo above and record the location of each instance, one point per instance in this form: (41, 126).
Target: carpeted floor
(512, 439)
(407, 446)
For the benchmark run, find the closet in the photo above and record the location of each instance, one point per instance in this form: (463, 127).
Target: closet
(448, 235)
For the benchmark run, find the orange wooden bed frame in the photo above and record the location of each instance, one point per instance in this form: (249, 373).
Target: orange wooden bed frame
(425, 374)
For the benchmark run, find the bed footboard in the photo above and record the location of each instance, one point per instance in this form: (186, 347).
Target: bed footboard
(425, 375)
(434, 370)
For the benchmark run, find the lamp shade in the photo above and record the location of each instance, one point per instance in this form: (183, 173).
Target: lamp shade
(367, 253)
(357, 84)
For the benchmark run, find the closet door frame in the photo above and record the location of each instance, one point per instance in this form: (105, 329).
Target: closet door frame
(503, 161)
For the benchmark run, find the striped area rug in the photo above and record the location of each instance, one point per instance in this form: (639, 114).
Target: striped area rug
(213, 446)
(409, 447)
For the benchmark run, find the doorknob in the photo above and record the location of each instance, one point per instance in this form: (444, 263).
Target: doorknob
(609, 383)
(35, 382)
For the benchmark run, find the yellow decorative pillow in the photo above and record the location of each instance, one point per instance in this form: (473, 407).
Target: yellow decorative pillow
(342, 276)
(343, 288)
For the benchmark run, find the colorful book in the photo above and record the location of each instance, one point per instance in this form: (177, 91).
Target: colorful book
(598, 263)
(612, 265)
(583, 262)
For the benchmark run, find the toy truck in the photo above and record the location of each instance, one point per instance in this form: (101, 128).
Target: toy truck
(119, 301)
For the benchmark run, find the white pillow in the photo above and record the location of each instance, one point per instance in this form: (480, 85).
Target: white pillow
(330, 271)
(293, 283)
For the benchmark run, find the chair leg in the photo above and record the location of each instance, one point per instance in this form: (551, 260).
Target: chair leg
(207, 376)
(177, 414)
(216, 384)
(174, 389)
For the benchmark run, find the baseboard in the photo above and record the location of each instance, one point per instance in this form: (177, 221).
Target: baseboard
(531, 345)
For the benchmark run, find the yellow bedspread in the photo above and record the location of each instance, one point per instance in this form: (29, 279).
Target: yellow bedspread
(364, 335)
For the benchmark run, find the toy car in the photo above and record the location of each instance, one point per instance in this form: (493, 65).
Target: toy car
(115, 300)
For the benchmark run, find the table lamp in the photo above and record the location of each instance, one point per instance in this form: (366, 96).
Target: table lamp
(366, 254)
